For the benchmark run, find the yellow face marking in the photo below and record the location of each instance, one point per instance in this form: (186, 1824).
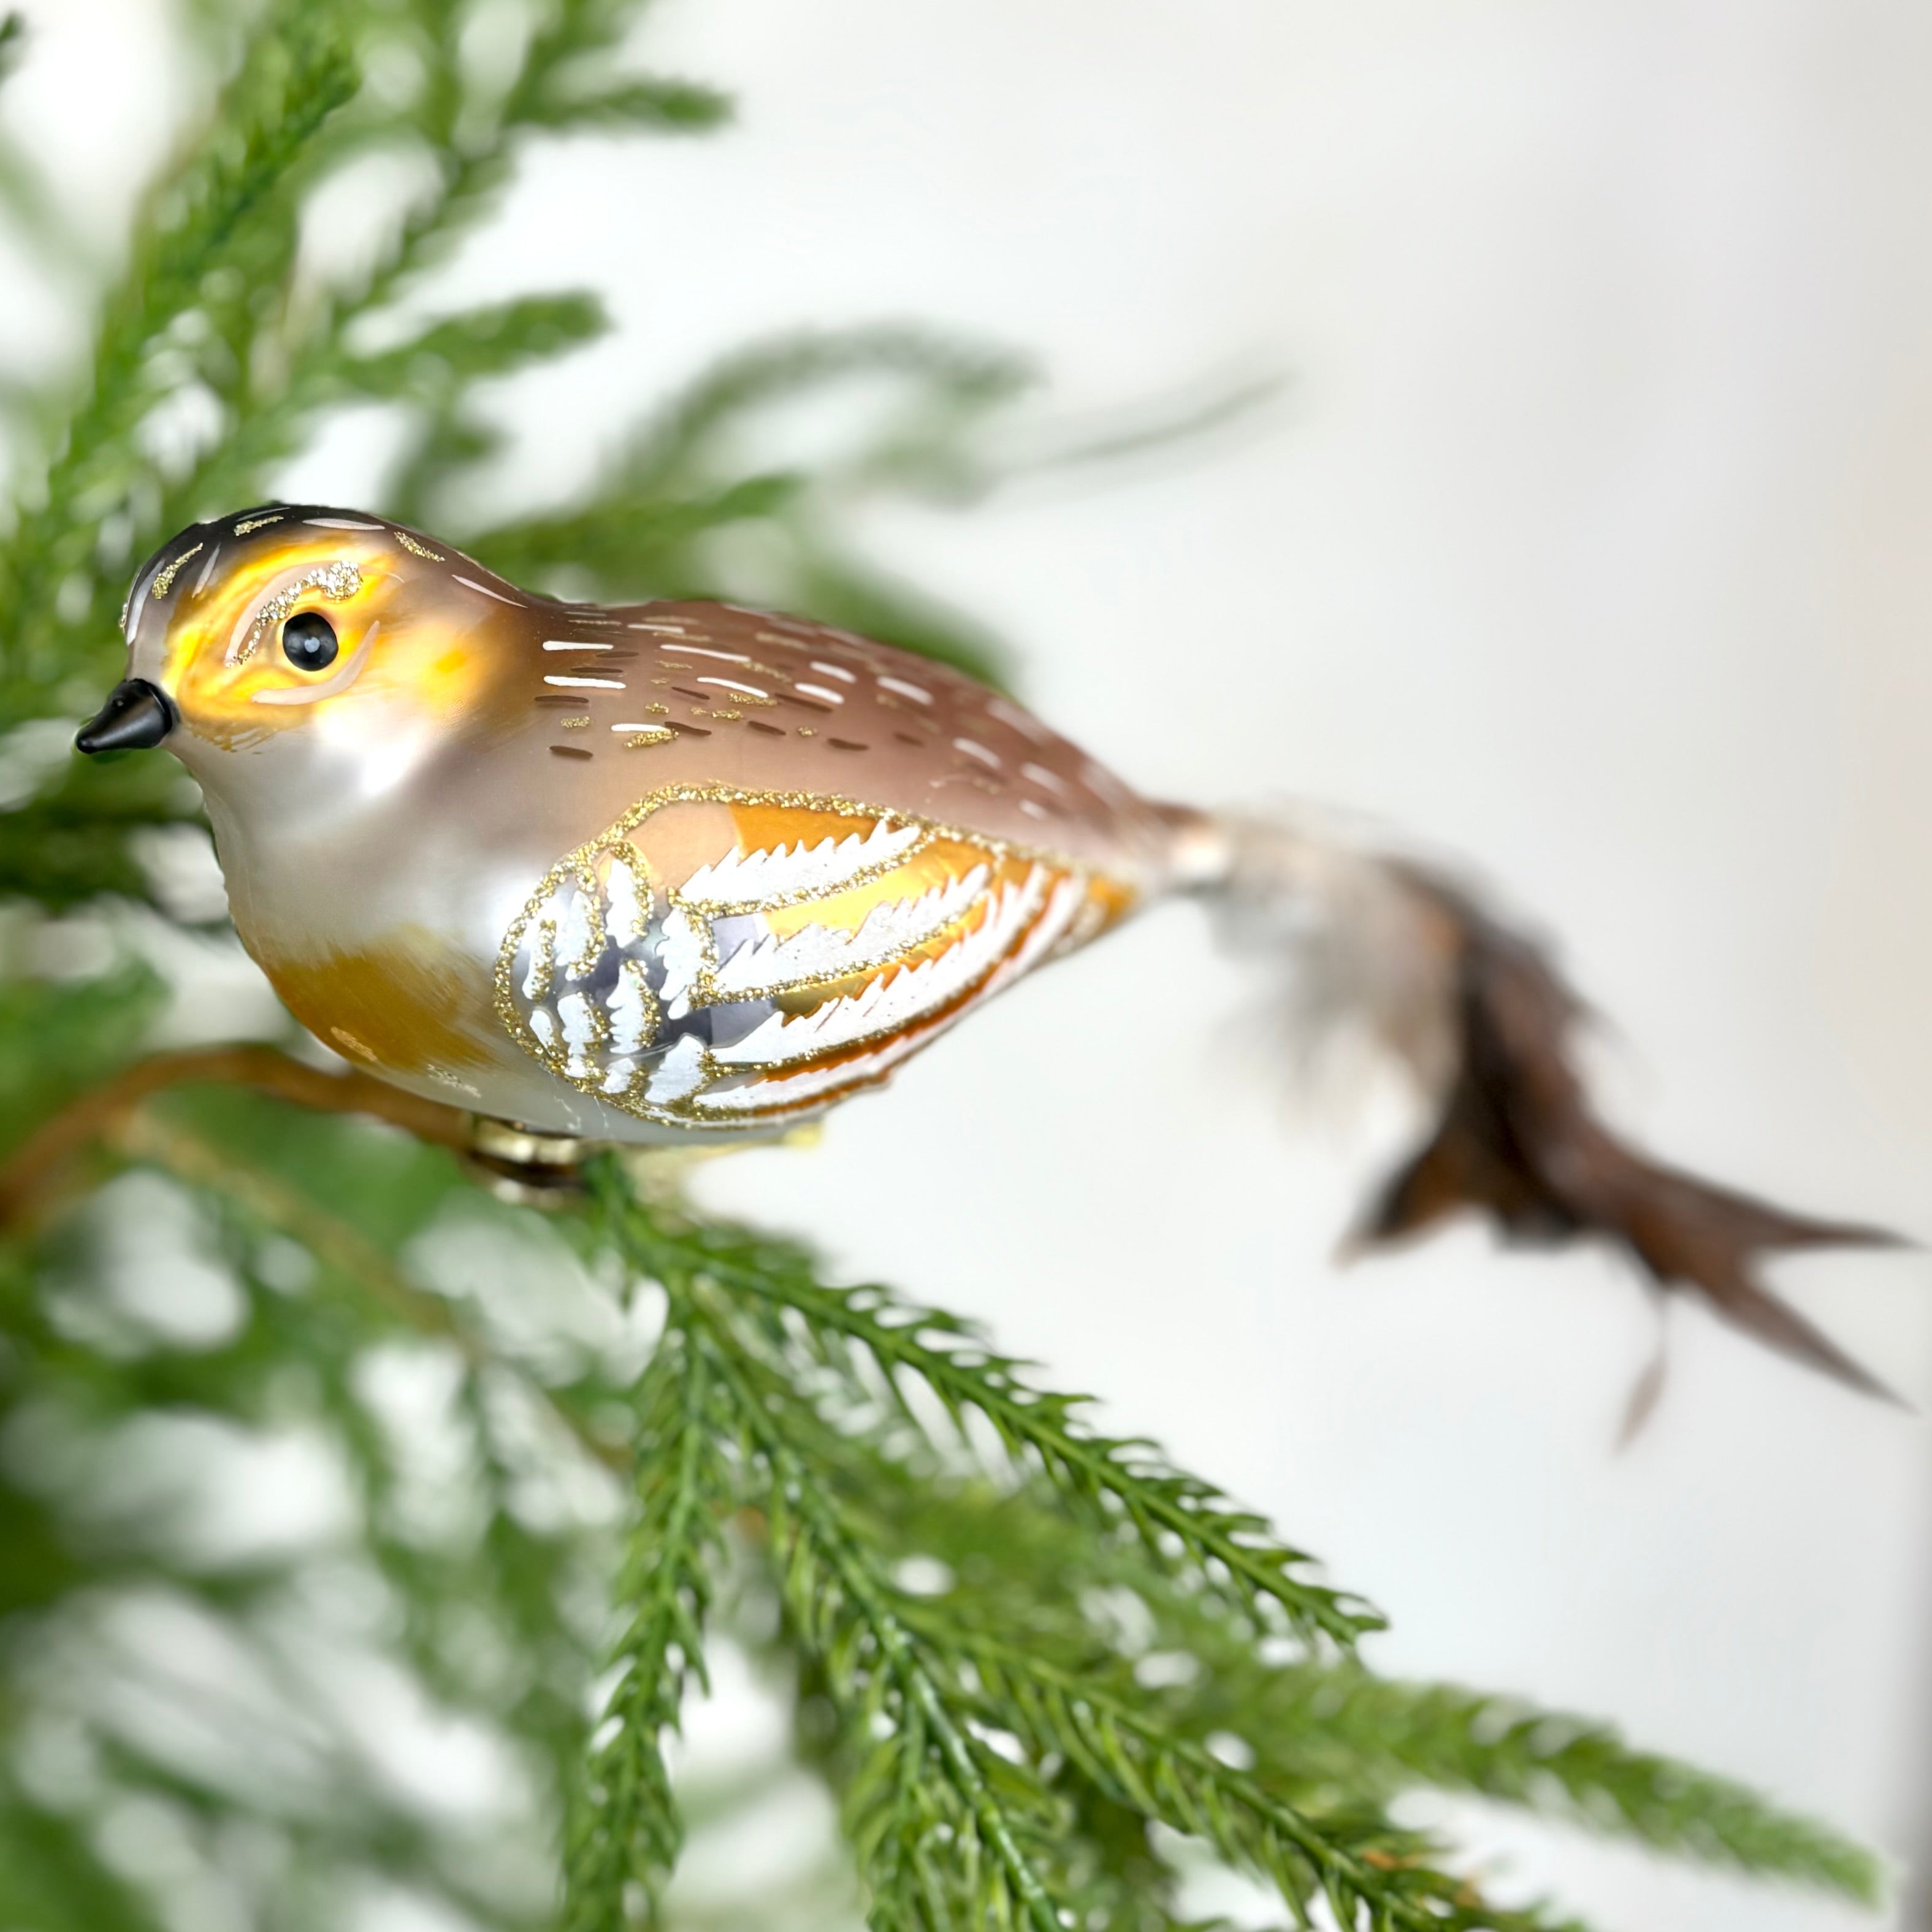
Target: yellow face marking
(222, 648)
(336, 582)
(399, 642)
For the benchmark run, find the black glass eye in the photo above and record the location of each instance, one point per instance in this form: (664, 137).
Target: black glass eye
(308, 641)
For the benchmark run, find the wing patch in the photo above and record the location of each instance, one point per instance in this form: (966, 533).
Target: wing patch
(719, 959)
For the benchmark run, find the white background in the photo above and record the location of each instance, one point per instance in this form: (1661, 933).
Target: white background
(1589, 541)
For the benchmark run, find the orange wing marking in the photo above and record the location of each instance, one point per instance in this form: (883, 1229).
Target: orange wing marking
(725, 959)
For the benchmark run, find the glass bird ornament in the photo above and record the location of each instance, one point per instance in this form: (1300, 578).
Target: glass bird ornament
(679, 870)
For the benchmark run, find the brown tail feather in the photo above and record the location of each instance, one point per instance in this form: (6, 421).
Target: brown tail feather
(1516, 1139)
(1395, 949)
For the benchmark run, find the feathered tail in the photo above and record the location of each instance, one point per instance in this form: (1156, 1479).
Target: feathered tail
(1483, 1019)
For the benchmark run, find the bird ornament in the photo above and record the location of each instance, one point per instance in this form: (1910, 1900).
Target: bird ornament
(683, 871)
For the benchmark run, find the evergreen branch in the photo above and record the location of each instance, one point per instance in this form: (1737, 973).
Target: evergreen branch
(627, 1834)
(480, 343)
(51, 1878)
(1120, 1484)
(296, 74)
(675, 106)
(25, 196)
(620, 539)
(917, 1708)
(850, 1616)
(1399, 1734)
(685, 437)
(1333, 1731)
(1375, 1876)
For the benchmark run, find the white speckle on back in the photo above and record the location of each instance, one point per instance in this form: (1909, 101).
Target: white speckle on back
(1025, 724)
(1104, 786)
(469, 583)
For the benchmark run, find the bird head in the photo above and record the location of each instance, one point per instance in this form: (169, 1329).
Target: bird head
(291, 627)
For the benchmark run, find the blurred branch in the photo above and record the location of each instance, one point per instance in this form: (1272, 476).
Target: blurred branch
(27, 1179)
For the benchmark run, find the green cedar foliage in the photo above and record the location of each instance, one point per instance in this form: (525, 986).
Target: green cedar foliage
(562, 1457)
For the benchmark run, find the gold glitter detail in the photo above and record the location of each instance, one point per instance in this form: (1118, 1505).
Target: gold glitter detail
(658, 734)
(580, 869)
(248, 523)
(164, 577)
(655, 710)
(543, 955)
(336, 581)
(962, 926)
(415, 549)
(573, 724)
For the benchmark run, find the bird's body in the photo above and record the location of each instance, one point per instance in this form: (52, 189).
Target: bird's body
(670, 870)
(629, 873)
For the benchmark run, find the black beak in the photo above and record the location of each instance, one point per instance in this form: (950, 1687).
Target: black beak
(135, 717)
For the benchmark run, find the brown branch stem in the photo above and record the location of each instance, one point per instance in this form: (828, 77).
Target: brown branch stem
(30, 1177)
